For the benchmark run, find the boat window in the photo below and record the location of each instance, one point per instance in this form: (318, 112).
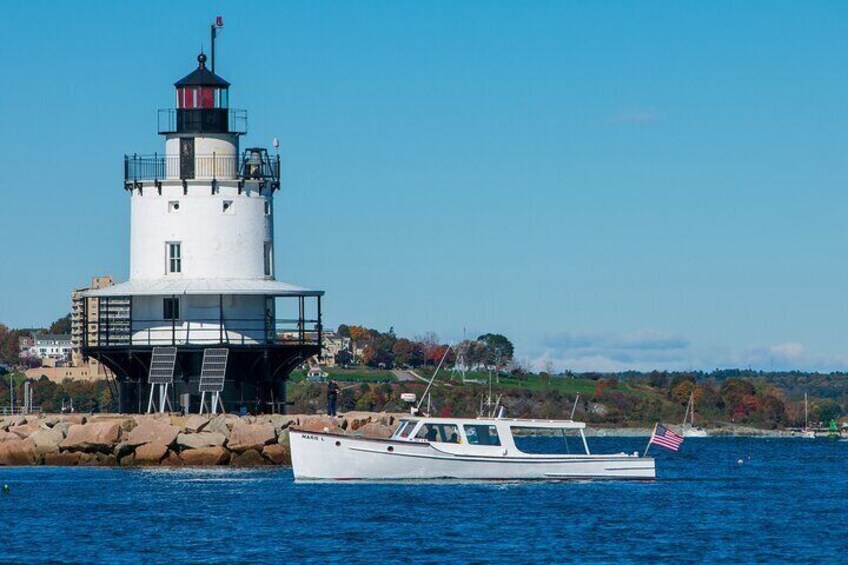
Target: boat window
(405, 428)
(441, 433)
(546, 441)
(482, 435)
(399, 429)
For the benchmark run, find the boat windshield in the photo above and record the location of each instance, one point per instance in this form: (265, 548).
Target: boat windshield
(546, 441)
(405, 428)
(443, 433)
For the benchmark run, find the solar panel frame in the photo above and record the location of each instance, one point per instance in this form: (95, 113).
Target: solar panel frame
(213, 369)
(162, 364)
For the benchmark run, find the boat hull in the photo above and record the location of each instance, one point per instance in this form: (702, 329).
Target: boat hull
(694, 432)
(326, 456)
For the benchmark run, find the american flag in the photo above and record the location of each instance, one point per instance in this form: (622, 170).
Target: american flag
(664, 437)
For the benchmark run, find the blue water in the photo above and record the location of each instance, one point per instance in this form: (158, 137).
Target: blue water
(787, 502)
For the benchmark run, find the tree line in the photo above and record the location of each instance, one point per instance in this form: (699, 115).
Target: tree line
(386, 350)
(10, 353)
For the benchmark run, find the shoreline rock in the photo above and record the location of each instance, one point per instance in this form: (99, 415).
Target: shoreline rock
(130, 440)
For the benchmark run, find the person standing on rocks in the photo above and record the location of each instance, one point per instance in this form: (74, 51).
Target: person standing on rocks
(332, 397)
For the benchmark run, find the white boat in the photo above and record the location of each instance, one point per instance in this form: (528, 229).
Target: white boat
(807, 432)
(429, 448)
(688, 428)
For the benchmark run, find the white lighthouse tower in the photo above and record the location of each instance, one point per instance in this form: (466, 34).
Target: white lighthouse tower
(202, 270)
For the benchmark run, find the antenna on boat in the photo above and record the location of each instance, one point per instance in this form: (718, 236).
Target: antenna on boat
(459, 364)
(574, 408)
(432, 379)
(489, 396)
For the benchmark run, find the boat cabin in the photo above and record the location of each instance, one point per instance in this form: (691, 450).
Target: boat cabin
(533, 437)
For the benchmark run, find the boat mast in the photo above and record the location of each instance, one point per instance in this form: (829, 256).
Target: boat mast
(692, 404)
(427, 390)
(806, 416)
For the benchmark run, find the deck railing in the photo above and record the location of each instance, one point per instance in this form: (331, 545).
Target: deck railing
(155, 167)
(242, 331)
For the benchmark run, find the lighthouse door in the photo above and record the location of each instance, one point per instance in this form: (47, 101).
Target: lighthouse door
(186, 157)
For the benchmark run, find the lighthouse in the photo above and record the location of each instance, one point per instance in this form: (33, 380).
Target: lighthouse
(203, 275)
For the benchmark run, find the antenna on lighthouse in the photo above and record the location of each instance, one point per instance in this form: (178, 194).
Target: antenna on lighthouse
(219, 23)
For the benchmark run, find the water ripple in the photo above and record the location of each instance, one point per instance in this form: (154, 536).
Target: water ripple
(785, 502)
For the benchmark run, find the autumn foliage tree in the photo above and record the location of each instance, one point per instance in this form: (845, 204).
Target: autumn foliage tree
(61, 326)
(380, 350)
(408, 353)
(9, 349)
(359, 334)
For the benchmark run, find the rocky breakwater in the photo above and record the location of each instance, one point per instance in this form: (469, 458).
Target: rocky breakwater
(169, 440)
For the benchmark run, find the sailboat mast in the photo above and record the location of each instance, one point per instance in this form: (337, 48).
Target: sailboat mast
(688, 406)
(692, 404)
(806, 417)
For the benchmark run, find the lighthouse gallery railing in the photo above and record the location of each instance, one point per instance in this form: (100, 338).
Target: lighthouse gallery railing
(113, 325)
(242, 331)
(157, 167)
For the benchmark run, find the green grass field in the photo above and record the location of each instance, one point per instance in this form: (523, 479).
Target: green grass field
(561, 384)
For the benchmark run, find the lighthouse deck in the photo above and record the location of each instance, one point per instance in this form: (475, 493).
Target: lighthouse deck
(123, 333)
(263, 347)
(157, 167)
(118, 326)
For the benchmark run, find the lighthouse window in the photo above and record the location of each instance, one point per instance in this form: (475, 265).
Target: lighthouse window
(171, 309)
(175, 257)
(228, 206)
(269, 258)
(205, 97)
(173, 206)
(267, 208)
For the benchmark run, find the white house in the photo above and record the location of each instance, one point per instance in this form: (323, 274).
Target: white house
(50, 346)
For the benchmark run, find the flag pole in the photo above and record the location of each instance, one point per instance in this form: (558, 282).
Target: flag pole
(647, 447)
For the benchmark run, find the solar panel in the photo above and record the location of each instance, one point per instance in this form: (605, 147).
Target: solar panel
(213, 370)
(162, 365)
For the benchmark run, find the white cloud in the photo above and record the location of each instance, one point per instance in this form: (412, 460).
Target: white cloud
(644, 341)
(790, 350)
(648, 350)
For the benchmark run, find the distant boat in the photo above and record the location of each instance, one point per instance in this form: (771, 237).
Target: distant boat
(688, 428)
(807, 432)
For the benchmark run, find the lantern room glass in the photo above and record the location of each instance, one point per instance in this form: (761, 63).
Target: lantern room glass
(201, 97)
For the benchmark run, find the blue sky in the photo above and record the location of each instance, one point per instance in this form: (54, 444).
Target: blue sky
(612, 185)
